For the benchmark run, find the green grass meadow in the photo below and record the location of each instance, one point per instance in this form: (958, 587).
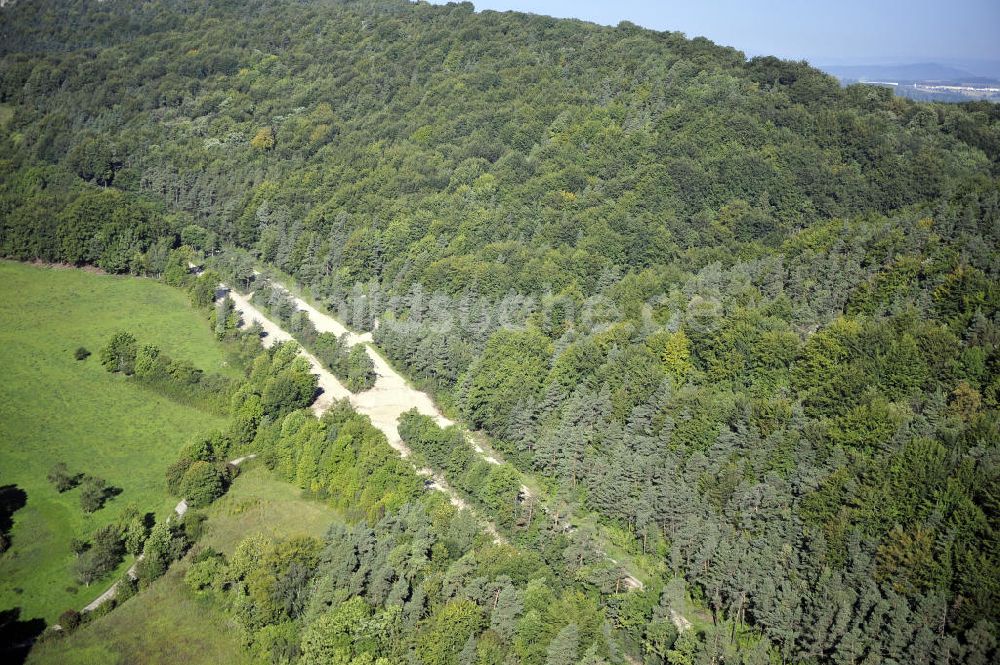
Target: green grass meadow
(54, 408)
(168, 623)
(258, 502)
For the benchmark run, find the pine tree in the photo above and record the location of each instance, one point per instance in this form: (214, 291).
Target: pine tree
(506, 610)
(564, 647)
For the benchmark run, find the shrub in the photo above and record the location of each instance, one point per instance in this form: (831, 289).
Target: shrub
(194, 524)
(81, 353)
(93, 494)
(207, 571)
(119, 354)
(147, 570)
(105, 555)
(100, 610)
(135, 532)
(175, 475)
(165, 544)
(60, 476)
(263, 139)
(79, 546)
(360, 369)
(127, 587)
(69, 620)
(202, 484)
(147, 361)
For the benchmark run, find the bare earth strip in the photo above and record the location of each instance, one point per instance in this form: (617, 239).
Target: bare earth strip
(332, 388)
(383, 404)
(390, 397)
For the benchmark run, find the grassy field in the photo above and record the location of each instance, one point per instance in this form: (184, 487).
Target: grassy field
(260, 503)
(169, 624)
(54, 408)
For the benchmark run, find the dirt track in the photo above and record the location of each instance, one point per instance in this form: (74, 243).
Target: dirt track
(390, 397)
(383, 404)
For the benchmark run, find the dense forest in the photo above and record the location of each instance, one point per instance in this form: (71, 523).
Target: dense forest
(413, 580)
(746, 317)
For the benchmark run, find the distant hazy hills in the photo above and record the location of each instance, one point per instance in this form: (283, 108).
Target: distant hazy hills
(927, 80)
(926, 71)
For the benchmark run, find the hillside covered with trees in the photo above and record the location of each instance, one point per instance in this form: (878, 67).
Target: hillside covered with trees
(746, 317)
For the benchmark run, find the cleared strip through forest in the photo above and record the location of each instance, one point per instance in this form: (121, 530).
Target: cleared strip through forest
(383, 403)
(390, 397)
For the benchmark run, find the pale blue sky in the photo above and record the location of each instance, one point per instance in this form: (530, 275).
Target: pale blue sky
(838, 31)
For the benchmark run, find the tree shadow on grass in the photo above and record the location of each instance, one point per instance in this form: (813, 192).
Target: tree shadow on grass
(17, 636)
(12, 499)
(107, 494)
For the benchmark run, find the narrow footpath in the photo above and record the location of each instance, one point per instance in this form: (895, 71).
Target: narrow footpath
(179, 511)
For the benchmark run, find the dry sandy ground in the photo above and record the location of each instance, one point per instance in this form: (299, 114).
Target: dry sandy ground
(392, 395)
(388, 399)
(332, 388)
(384, 403)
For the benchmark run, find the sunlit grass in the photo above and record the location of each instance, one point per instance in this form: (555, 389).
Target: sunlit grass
(54, 408)
(170, 624)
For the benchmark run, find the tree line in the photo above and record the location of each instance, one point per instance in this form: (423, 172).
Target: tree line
(349, 363)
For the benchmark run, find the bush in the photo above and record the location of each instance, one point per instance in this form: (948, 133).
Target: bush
(79, 546)
(69, 620)
(127, 587)
(202, 484)
(148, 362)
(93, 494)
(103, 557)
(175, 475)
(263, 139)
(148, 570)
(194, 524)
(119, 354)
(134, 533)
(60, 476)
(207, 571)
(351, 364)
(360, 369)
(100, 610)
(81, 353)
(166, 543)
